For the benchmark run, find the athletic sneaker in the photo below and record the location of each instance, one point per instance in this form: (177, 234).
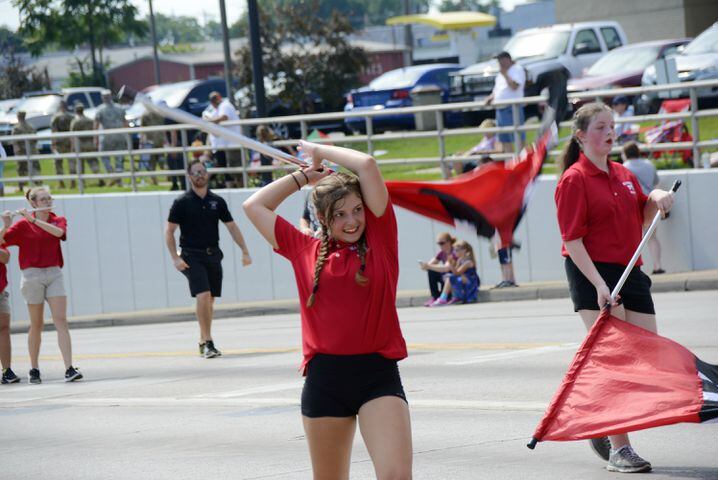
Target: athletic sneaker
(34, 376)
(210, 351)
(71, 374)
(625, 460)
(439, 302)
(429, 301)
(201, 349)
(8, 376)
(601, 446)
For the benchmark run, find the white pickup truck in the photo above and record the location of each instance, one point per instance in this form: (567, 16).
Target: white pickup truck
(550, 55)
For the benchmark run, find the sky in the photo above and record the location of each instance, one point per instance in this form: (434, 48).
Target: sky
(209, 10)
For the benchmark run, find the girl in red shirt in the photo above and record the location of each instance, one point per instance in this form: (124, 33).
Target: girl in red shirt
(601, 212)
(38, 235)
(351, 338)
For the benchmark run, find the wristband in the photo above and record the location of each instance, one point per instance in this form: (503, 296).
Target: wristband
(299, 187)
(305, 175)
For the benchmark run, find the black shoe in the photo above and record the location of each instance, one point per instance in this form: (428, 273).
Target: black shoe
(34, 376)
(8, 376)
(71, 374)
(210, 351)
(601, 446)
(201, 349)
(658, 271)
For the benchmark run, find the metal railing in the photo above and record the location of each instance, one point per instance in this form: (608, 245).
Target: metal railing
(186, 150)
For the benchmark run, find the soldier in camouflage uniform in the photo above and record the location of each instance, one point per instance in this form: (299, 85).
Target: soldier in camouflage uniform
(87, 143)
(153, 139)
(109, 116)
(24, 128)
(61, 123)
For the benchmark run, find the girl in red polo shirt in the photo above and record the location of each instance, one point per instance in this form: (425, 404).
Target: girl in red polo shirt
(8, 376)
(351, 338)
(38, 235)
(601, 211)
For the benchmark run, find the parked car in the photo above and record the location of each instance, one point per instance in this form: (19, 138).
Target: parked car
(623, 67)
(392, 90)
(548, 54)
(6, 105)
(192, 96)
(698, 61)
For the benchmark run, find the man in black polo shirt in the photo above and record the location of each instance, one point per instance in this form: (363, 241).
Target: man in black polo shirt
(197, 212)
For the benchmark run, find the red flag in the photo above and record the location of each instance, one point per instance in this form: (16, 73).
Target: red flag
(491, 197)
(625, 378)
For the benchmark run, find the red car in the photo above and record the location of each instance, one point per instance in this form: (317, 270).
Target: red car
(622, 67)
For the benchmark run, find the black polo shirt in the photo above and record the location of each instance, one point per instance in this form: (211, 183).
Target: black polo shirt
(198, 219)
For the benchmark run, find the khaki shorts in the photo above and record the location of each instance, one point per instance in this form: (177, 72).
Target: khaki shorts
(39, 284)
(4, 304)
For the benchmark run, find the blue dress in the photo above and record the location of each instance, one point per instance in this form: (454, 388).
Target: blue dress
(465, 292)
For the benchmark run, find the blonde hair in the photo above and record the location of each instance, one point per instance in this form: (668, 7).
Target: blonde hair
(487, 123)
(581, 120)
(466, 246)
(447, 236)
(31, 193)
(327, 193)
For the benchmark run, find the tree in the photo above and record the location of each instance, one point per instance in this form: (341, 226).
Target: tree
(10, 40)
(463, 5)
(78, 23)
(304, 54)
(16, 78)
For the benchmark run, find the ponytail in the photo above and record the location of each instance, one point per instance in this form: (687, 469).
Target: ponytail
(569, 155)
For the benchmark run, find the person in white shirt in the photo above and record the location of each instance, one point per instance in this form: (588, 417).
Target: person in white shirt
(223, 157)
(509, 85)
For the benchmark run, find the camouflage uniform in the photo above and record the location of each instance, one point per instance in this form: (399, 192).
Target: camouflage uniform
(61, 123)
(87, 144)
(20, 150)
(112, 116)
(153, 139)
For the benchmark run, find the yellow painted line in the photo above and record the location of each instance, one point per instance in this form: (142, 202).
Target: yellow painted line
(254, 351)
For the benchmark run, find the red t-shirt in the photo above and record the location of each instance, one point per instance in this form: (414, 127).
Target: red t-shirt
(3, 272)
(347, 318)
(38, 249)
(604, 209)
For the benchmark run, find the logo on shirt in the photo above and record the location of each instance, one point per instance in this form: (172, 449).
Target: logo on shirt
(213, 204)
(630, 187)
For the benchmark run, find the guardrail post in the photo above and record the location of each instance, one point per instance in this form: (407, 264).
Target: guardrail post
(369, 133)
(245, 176)
(185, 161)
(78, 165)
(445, 171)
(514, 123)
(133, 179)
(30, 169)
(304, 129)
(694, 128)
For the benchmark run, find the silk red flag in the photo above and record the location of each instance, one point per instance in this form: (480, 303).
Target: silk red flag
(491, 197)
(625, 378)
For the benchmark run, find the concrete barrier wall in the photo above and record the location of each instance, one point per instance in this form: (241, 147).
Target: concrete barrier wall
(116, 260)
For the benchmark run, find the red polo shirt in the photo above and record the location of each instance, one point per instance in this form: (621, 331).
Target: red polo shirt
(347, 318)
(604, 209)
(38, 249)
(3, 273)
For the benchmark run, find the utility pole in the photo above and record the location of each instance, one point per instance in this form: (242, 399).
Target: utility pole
(257, 69)
(225, 46)
(408, 37)
(156, 58)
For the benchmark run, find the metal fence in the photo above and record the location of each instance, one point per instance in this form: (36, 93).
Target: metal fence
(186, 150)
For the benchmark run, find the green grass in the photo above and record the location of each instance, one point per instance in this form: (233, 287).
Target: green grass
(395, 149)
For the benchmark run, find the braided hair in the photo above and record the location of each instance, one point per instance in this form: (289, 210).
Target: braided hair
(325, 196)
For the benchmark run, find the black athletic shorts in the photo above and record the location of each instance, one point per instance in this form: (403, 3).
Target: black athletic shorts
(635, 294)
(338, 385)
(205, 270)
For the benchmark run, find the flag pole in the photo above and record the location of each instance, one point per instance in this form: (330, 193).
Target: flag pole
(183, 117)
(646, 237)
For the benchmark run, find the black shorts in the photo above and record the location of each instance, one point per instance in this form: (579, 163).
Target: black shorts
(635, 294)
(205, 270)
(338, 385)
